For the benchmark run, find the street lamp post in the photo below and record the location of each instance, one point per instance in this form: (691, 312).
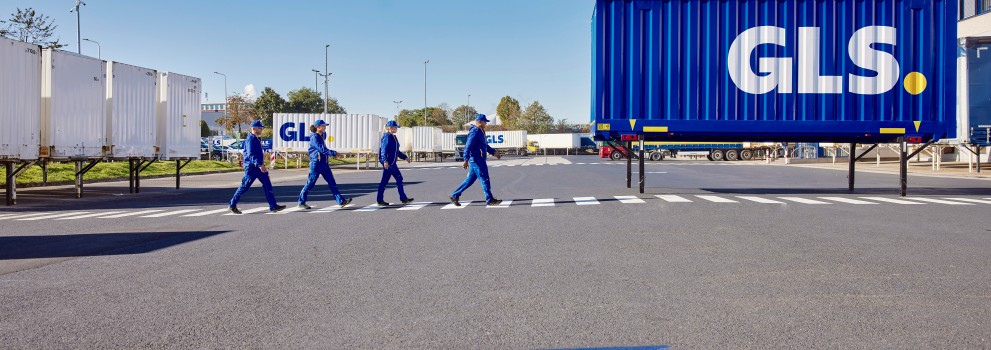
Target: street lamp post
(316, 74)
(326, 68)
(79, 35)
(425, 92)
(99, 50)
(467, 107)
(397, 109)
(227, 112)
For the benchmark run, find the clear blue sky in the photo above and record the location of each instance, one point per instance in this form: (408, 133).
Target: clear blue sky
(528, 49)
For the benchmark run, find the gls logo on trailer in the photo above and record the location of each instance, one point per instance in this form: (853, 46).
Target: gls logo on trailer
(495, 138)
(776, 72)
(289, 133)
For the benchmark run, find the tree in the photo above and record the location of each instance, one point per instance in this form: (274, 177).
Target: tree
(414, 117)
(462, 115)
(267, 104)
(238, 113)
(562, 126)
(305, 100)
(204, 129)
(509, 110)
(28, 26)
(334, 107)
(535, 119)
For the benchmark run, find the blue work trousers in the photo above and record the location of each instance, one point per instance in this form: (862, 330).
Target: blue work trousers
(391, 172)
(251, 173)
(315, 173)
(476, 171)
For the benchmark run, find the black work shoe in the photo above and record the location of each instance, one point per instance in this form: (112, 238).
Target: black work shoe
(408, 201)
(234, 210)
(278, 208)
(383, 204)
(494, 202)
(345, 202)
(304, 206)
(455, 201)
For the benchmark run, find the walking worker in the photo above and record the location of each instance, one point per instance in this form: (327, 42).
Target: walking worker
(319, 165)
(476, 150)
(389, 154)
(254, 168)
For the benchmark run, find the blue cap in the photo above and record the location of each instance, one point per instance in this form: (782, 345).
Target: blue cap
(392, 124)
(257, 124)
(320, 122)
(481, 118)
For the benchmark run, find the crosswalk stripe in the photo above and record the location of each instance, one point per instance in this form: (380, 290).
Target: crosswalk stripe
(580, 163)
(760, 200)
(586, 201)
(369, 208)
(504, 204)
(89, 215)
(6, 215)
(971, 200)
(939, 201)
(331, 209)
(847, 200)
(250, 211)
(130, 214)
(43, 217)
(673, 199)
(416, 206)
(546, 202)
(629, 199)
(208, 212)
(452, 206)
(717, 199)
(803, 200)
(21, 215)
(287, 211)
(891, 200)
(170, 213)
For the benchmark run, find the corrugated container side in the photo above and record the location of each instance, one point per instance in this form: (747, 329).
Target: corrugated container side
(976, 92)
(347, 133)
(756, 70)
(73, 112)
(20, 91)
(405, 137)
(426, 139)
(132, 101)
(556, 141)
(178, 116)
(447, 142)
(506, 139)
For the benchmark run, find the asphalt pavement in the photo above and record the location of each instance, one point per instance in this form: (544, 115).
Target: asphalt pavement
(713, 255)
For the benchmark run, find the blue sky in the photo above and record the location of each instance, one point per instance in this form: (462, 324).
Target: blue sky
(528, 49)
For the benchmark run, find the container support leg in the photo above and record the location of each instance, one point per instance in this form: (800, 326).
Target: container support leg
(80, 171)
(130, 175)
(141, 166)
(641, 166)
(978, 158)
(44, 173)
(179, 167)
(852, 166)
(903, 168)
(629, 164)
(9, 186)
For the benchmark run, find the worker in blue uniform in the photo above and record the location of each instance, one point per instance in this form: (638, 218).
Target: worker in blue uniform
(254, 168)
(320, 166)
(476, 150)
(389, 155)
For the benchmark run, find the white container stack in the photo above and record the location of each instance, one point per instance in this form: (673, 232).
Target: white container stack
(132, 97)
(514, 139)
(178, 116)
(427, 139)
(73, 109)
(20, 93)
(447, 141)
(556, 141)
(347, 133)
(405, 137)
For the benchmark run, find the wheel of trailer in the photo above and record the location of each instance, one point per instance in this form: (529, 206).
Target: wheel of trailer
(656, 156)
(747, 154)
(732, 155)
(716, 155)
(616, 155)
(217, 157)
(709, 156)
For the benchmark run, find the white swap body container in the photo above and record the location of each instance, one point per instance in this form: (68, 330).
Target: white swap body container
(506, 139)
(405, 137)
(447, 141)
(73, 105)
(20, 93)
(347, 133)
(556, 141)
(427, 139)
(132, 107)
(178, 116)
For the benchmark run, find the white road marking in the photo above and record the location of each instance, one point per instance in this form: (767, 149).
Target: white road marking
(760, 200)
(90, 215)
(250, 211)
(971, 200)
(504, 204)
(717, 199)
(586, 201)
(416, 206)
(939, 201)
(803, 200)
(34, 218)
(21, 215)
(370, 208)
(891, 200)
(546, 202)
(288, 210)
(170, 213)
(629, 199)
(847, 200)
(131, 214)
(452, 206)
(208, 212)
(331, 209)
(673, 199)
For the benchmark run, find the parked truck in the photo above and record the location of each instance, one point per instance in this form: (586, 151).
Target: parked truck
(508, 142)
(570, 143)
(713, 151)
